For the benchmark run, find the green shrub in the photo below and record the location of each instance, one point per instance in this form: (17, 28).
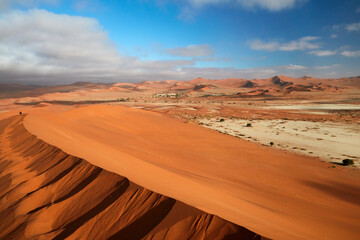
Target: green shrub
(271, 143)
(248, 125)
(347, 162)
(222, 120)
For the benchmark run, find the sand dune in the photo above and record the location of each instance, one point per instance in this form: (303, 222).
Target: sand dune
(273, 193)
(276, 86)
(118, 172)
(47, 194)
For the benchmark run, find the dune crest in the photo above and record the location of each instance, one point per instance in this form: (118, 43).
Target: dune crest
(48, 194)
(273, 193)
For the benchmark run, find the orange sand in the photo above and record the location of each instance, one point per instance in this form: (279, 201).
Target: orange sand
(273, 193)
(48, 194)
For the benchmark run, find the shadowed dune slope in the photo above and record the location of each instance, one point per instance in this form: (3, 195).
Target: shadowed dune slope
(48, 194)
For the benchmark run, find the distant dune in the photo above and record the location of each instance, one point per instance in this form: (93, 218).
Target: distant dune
(280, 85)
(248, 84)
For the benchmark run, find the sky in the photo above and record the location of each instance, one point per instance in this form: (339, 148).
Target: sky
(65, 41)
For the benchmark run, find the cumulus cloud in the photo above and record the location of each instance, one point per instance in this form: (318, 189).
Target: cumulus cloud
(43, 42)
(38, 46)
(353, 27)
(304, 43)
(44, 46)
(322, 53)
(202, 50)
(351, 53)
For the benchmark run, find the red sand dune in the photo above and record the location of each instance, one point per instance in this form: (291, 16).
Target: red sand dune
(47, 194)
(273, 193)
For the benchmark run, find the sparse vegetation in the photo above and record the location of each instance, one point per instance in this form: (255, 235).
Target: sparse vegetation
(222, 120)
(248, 125)
(271, 143)
(347, 162)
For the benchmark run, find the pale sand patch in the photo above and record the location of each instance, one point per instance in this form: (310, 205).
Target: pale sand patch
(189, 108)
(317, 107)
(329, 141)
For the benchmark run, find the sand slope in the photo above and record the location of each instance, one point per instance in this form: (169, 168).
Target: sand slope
(276, 194)
(48, 194)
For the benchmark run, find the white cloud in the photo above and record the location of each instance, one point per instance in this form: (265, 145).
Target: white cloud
(38, 46)
(334, 36)
(351, 53)
(353, 27)
(322, 53)
(358, 10)
(295, 67)
(210, 59)
(55, 39)
(45, 46)
(305, 43)
(190, 8)
(271, 5)
(327, 66)
(203, 50)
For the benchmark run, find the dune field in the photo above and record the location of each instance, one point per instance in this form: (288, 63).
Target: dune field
(138, 161)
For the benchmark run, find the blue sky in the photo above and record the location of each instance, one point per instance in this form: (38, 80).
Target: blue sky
(50, 41)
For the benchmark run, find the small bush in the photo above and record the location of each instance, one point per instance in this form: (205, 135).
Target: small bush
(248, 125)
(222, 120)
(347, 162)
(271, 143)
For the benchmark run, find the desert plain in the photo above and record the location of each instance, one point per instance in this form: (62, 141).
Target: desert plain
(197, 159)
